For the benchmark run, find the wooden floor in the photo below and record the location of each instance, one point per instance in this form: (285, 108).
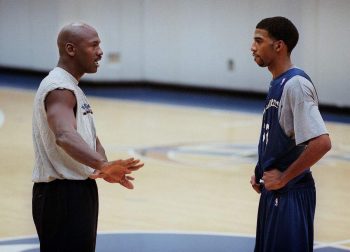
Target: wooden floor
(198, 164)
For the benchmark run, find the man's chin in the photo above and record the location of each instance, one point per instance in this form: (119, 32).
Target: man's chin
(91, 71)
(260, 64)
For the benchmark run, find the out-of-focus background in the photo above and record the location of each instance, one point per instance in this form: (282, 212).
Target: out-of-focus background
(203, 43)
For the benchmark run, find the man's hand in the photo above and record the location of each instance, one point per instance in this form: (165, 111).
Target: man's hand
(273, 180)
(255, 185)
(125, 181)
(116, 171)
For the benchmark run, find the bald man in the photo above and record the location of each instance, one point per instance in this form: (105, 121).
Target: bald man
(68, 154)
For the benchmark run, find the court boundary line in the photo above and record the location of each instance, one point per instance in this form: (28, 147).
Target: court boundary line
(176, 232)
(317, 245)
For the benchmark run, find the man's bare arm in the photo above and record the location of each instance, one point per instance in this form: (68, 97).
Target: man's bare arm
(316, 149)
(60, 105)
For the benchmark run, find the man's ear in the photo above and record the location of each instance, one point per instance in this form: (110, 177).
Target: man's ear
(70, 49)
(279, 45)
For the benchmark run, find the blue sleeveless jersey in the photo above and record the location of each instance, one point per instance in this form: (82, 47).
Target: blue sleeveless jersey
(276, 149)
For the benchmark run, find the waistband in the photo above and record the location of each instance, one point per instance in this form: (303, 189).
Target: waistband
(304, 180)
(67, 181)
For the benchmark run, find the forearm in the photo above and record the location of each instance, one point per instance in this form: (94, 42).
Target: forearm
(100, 149)
(315, 150)
(75, 146)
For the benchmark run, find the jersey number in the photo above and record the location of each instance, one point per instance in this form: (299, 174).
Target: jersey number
(265, 139)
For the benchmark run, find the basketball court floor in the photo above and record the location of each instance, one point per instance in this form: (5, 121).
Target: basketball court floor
(193, 194)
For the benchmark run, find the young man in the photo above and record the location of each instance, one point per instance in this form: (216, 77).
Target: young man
(68, 154)
(293, 138)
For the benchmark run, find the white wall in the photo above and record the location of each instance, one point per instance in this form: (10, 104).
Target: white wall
(28, 36)
(183, 41)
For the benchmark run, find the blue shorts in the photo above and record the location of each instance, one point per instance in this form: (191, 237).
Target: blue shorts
(286, 219)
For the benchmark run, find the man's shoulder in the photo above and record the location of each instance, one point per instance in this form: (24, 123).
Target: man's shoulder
(299, 89)
(298, 84)
(55, 80)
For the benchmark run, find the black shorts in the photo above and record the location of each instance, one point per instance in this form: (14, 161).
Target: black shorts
(65, 214)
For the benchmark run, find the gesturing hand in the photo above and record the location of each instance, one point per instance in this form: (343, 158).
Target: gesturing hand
(116, 171)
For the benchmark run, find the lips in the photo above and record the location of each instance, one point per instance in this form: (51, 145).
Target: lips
(97, 62)
(255, 56)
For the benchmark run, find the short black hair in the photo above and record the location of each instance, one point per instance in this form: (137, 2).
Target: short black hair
(281, 28)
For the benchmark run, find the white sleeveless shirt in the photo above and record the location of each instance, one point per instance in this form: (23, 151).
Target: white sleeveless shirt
(51, 161)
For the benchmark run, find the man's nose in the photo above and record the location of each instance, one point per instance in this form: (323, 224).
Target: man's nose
(100, 52)
(253, 48)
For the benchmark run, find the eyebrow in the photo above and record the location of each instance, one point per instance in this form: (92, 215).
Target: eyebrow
(94, 41)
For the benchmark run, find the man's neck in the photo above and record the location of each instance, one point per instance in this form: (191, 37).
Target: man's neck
(70, 70)
(279, 67)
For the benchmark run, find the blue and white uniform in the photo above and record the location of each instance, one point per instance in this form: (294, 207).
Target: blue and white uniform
(291, 118)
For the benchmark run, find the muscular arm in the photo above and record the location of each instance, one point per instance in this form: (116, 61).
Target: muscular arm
(316, 149)
(60, 106)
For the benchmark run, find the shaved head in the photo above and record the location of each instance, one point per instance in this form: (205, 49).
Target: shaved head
(79, 49)
(73, 33)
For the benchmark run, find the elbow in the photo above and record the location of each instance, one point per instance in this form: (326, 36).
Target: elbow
(329, 145)
(61, 139)
(326, 144)
(321, 144)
